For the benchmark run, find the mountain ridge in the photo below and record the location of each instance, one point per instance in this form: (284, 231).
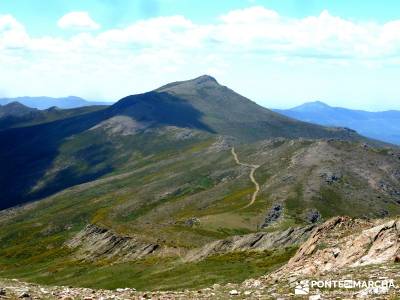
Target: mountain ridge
(44, 102)
(209, 97)
(200, 104)
(367, 123)
(182, 187)
(15, 109)
(15, 114)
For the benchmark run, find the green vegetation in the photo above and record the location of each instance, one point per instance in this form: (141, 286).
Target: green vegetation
(155, 193)
(162, 173)
(156, 274)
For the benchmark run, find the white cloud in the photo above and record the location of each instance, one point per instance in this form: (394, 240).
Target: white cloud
(12, 33)
(79, 20)
(255, 30)
(114, 62)
(319, 36)
(161, 31)
(254, 14)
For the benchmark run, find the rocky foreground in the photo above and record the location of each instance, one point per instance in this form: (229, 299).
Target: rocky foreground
(342, 250)
(263, 288)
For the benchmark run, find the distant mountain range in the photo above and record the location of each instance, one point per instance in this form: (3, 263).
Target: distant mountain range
(15, 114)
(47, 102)
(384, 126)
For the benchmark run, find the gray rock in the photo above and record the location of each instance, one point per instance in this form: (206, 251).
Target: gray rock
(247, 293)
(233, 293)
(331, 177)
(256, 241)
(95, 242)
(388, 189)
(273, 215)
(121, 125)
(313, 216)
(382, 213)
(24, 295)
(192, 222)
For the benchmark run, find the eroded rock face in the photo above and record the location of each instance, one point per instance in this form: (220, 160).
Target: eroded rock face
(95, 242)
(257, 241)
(343, 242)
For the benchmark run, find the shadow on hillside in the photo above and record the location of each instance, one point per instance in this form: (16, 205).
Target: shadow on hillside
(27, 153)
(160, 109)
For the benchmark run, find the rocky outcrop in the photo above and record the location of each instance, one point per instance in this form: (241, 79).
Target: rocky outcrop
(257, 241)
(341, 248)
(192, 222)
(95, 242)
(121, 125)
(313, 216)
(331, 177)
(273, 215)
(343, 242)
(222, 143)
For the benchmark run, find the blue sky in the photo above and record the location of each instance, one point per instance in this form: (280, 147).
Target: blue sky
(279, 53)
(41, 15)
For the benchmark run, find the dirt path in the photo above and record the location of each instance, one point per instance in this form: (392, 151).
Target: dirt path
(251, 176)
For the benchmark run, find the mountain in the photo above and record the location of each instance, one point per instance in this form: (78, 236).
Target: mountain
(15, 109)
(384, 126)
(16, 114)
(229, 113)
(47, 102)
(49, 157)
(182, 187)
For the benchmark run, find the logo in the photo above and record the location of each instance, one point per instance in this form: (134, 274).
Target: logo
(302, 288)
(383, 286)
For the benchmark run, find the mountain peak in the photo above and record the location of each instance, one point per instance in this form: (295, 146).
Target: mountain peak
(205, 79)
(192, 84)
(312, 106)
(15, 104)
(316, 104)
(321, 103)
(15, 109)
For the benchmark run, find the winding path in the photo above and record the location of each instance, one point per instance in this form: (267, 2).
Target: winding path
(251, 176)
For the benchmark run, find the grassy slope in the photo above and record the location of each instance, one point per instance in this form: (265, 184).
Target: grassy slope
(153, 273)
(32, 242)
(149, 184)
(45, 158)
(152, 194)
